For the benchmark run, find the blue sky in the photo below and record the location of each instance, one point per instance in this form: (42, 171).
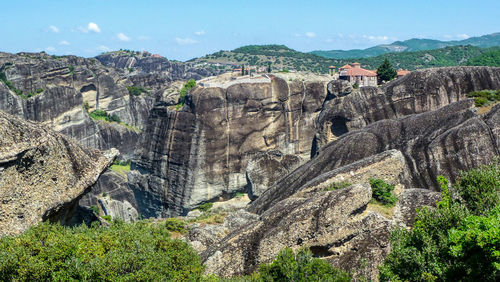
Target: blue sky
(183, 30)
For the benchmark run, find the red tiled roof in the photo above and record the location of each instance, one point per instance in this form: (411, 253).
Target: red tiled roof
(403, 72)
(346, 66)
(359, 72)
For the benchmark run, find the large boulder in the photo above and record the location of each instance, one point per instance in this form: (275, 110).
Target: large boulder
(43, 174)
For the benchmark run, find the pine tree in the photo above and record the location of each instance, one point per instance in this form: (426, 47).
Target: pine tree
(386, 72)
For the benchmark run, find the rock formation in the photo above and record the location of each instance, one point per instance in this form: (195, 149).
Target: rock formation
(200, 153)
(43, 174)
(440, 142)
(348, 109)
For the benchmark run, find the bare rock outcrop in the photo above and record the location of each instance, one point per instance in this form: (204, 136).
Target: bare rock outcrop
(43, 174)
(200, 153)
(348, 109)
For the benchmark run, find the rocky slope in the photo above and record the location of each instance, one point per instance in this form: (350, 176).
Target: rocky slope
(57, 90)
(141, 62)
(347, 109)
(201, 153)
(342, 226)
(43, 174)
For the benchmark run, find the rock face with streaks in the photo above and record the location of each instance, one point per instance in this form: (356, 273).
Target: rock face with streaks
(201, 153)
(43, 174)
(60, 91)
(348, 109)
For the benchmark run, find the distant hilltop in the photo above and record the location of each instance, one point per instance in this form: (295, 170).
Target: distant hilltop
(410, 45)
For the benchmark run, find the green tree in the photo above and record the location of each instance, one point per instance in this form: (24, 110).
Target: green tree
(386, 72)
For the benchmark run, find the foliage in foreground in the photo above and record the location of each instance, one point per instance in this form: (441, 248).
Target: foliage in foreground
(300, 266)
(458, 240)
(386, 72)
(141, 251)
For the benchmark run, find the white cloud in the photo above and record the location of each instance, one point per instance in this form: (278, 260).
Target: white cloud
(462, 36)
(54, 28)
(50, 49)
(377, 38)
(122, 37)
(185, 41)
(93, 27)
(64, 43)
(103, 48)
(199, 33)
(310, 34)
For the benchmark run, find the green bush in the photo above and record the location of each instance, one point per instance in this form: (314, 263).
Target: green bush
(453, 242)
(299, 267)
(95, 209)
(107, 218)
(382, 192)
(123, 252)
(480, 188)
(184, 91)
(484, 97)
(175, 225)
(103, 115)
(136, 90)
(205, 207)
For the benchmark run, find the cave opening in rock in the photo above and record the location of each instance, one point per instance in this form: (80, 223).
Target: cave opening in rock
(320, 251)
(86, 88)
(339, 126)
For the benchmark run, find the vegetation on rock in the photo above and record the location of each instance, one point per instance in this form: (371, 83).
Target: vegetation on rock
(103, 115)
(136, 90)
(184, 91)
(382, 192)
(121, 167)
(458, 240)
(337, 186)
(484, 97)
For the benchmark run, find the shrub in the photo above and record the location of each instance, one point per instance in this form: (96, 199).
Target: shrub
(480, 188)
(184, 91)
(382, 192)
(484, 97)
(175, 225)
(95, 209)
(337, 186)
(103, 115)
(136, 90)
(453, 241)
(205, 207)
(299, 267)
(123, 252)
(355, 85)
(107, 218)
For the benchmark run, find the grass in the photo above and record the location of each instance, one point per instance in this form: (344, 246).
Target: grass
(205, 207)
(375, 206)
(337, 185)
(121, 168)
(210, 218)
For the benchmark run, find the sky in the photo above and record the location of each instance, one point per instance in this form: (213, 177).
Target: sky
(182, 30)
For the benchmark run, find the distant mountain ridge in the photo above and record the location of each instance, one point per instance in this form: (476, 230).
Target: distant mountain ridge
(410, 45)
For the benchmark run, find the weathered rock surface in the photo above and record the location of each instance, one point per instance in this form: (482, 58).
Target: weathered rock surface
(200, 153)
(265, 168)
(338, 226)
(173, 70)
(440, 142)
(348, 109)
(113, 196)
(43, 174)
(66, 85)
(411, 199)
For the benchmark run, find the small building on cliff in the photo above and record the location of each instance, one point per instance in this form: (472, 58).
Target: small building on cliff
(356, 74)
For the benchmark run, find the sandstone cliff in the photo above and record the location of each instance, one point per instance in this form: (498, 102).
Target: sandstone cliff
(43, 174)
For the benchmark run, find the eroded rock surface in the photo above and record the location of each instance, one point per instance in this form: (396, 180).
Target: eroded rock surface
(43, 174)
(200, 153)
(348, 109)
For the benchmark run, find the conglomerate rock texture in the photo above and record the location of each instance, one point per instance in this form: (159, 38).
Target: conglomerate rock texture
(43, 174)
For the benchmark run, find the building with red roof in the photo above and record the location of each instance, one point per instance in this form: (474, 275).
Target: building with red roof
(356, 74)
(402, 72)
